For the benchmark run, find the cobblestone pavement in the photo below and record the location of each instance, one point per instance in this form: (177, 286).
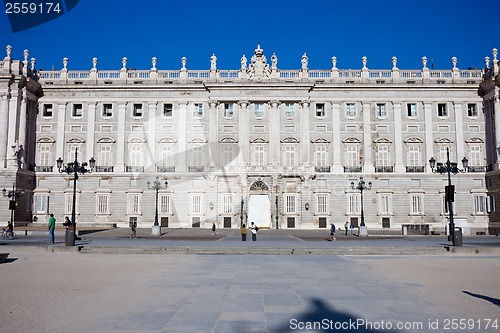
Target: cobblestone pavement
(87, 292)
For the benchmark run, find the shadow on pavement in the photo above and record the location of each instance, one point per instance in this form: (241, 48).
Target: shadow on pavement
(495, 301)
(321, 318)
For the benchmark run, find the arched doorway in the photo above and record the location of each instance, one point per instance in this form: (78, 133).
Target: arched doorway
(259, 205)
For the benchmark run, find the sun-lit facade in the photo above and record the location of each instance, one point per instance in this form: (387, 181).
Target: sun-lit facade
(256, 144)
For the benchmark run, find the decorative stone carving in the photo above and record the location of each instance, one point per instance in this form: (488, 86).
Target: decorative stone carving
(364, 60)
(394, 63)
(94, 63)
(243, 63)
(153, 62)
(334, 62)
(424, 62)
(258, 68)
(8, 50)
(65, 63)
(213, 62)
(184, 61)
(454, 62)
(124, 62)
(304, 61)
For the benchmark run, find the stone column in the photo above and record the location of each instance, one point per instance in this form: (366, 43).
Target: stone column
(459, 132)
(61, 134)
(336, 142)
(367, 139)
(13, 110)
(213, 118)
(496, 111)
(90, 131)
(4, 128)
(244, 133)
(429, 143)
(305, 134)
(120, 140)
(274, 133)
(22, 127)
(398, 139)
(182, 140)
(153, 156)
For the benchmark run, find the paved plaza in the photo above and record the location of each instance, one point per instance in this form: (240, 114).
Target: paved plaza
(105, 288)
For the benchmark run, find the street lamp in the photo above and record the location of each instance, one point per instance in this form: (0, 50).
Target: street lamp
(157, 185)
(277, 212)
(449, 168)
(74, 168)
(12, 196)
(362, 186)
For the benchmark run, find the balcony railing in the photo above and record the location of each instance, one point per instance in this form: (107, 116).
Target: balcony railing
(129, 168)
(384, 168)
(415, 169)
(165, 168)
(352, 169)
(104, 169)
(195, 168)
(44, 168)
(322, 169)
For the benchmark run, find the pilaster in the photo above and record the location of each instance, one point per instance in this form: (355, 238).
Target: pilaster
(182, 140)
(213, 118)
(274, 133)
(429, 141)
(4, 128)
(120, 140)
(152, 157)
(398, 139)
(61, 133)
(459, 131)
(305, 135)
(367, 139)
(90, 131)
(336, 141)
(243, 131)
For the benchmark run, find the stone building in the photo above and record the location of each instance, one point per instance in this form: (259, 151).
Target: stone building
(257, 144)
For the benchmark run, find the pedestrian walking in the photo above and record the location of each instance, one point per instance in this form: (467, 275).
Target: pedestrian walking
(214, 232)
(352, 228)
(243, 233)
(133, 227)
(52, 226)
(254, 231)
(346, 227)
(332, 232)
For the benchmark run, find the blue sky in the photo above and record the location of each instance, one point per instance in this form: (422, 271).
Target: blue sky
(169, 30)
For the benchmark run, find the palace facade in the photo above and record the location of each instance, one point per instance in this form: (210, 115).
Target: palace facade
(281, 148)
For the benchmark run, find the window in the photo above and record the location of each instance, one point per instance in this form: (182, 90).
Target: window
(416, 204)
(472, 110)
(259, 155)
(102, 204)
(137, 110)
(69, 204)
(133, 204)
(227, 203)
(442, 152)
(166, 156)
(475, 156)
(351, 155)
(44, 156)
(289, 155)
(227, 154)
(442, 110)
(107, 110)
(259, 110)
(198, 110)
(289, 109)
(320, 110)
(290, 203)
(321, 156)
(384, 204)
(381, 111)
(490, 202)
(164, 203)
(411, 109)
(350, 110)
(47, 110)
(383, 156)
(168, 109)
(353, 204)
(136, 158)
(479, 204)
(197, 156)
(42, 203)
(228, 110)
(196, 204)
(322, 202)
(413, 156)
(105, 156)
(77, 110)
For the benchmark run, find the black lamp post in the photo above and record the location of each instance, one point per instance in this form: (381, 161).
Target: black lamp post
(12, 196)
(362, 186)
(157, 185)
(241, 212)
(449, 168)
(74, 168)
(277, 212)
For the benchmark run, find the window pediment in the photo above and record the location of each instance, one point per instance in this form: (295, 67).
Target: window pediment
(474, 140)
(382, 141)
(75, 141)
(167, 140)
(136, 140)
(197, 140)
(228, 140)
(290, 140)
(259, 140)
(413, 140)
(46, 140)
(320, 140)
(106, 139)
(443, 141)
(351, 140)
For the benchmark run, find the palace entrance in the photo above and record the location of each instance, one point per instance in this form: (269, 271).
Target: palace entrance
(259, 210)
